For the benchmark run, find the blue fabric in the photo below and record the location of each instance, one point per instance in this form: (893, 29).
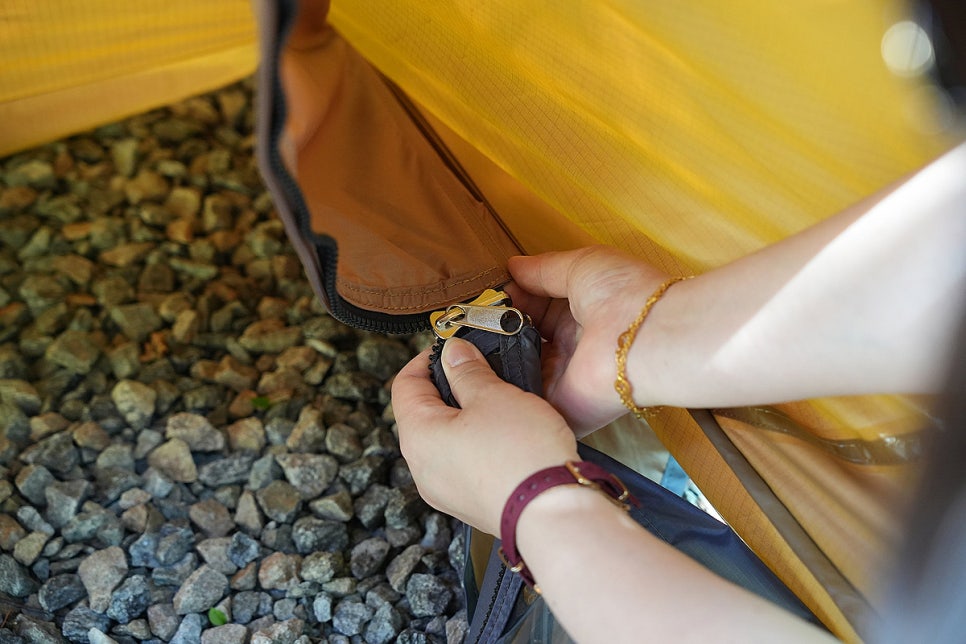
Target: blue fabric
(502, 617)
(675, 479)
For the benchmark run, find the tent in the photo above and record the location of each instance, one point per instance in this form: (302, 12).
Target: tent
(440, 138)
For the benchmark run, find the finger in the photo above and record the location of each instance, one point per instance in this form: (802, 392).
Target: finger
(547, 314)
(546, 274)
(470, 376)
(415, 399)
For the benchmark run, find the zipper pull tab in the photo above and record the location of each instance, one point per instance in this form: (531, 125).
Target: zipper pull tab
(487, 312)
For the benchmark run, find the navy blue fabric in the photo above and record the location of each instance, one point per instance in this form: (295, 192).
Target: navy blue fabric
(699, 535)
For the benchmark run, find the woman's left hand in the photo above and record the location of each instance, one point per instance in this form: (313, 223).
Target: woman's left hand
(467, 461)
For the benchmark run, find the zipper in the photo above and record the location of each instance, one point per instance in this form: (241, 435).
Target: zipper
(326, 249)
(489, 608)
(488, 312)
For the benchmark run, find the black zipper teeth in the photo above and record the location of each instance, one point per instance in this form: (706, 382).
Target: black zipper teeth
(340, 309)
(489, 608)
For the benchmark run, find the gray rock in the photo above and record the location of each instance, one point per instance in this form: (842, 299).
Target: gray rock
(189, 631)
(281, 633)
(37, 245)
(363, 472)
(163, 620)
(356, 385)
(242, 549)
(138, 628)
(136, 321)
(33, 521)
(311, 535)
(264, 471)
(143, 551)
(36, 631)
(214, 552)
(404, 507)
(119, 455)
(370, 507)
(60, 591)
(249, 604)
(55, 452)
(269, 336)
(174, 542)
(101, 572)
(402, 566)
(342, 441)
(130, 599)
(34, 173)
(279, 571)
(155, 483)
(212, 517)
(125, 360)
(63, 500)
(146, 186)
(80, 620)
(29, 548)
(322, 607)
(336, 507)
(124, 153)
(341, 586)
(427, 595)
(32, 481)
(225, 634)
(323, 566)
(247, 515)
(384, 626)
(457, 627)
(195, 430)
(286, 609)
(21, 393)
(174, 460)
(14, 424)
(135, 401)
(280, 501)
(382, 357)
(14, 578)
(175, 574)
(368, 557)
(311, 474)
(232, 469)
(437, 534)
(308, 435)
(201, 590)
(93, 521)
(112, 290)
(350, 617)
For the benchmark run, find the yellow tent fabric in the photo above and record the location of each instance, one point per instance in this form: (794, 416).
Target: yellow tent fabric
(67, 66)
(692, 134)
(687, 133)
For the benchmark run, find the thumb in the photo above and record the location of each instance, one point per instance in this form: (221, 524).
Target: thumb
(467, 371)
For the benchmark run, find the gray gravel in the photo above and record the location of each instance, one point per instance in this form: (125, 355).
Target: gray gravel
(191, 449)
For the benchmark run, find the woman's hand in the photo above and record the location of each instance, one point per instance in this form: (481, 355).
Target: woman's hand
(582, 301)
(467, 461)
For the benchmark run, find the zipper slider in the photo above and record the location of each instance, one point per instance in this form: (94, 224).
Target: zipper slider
(488, 312)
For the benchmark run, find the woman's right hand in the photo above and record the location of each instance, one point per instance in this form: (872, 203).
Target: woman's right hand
(581, 301)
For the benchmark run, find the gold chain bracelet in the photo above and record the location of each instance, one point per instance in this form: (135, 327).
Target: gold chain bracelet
(624, 342)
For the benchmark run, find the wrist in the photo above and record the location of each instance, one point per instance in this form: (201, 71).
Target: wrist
(546, 492)
(642, 354)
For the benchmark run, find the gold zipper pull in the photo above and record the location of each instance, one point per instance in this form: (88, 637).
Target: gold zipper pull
(487, 312)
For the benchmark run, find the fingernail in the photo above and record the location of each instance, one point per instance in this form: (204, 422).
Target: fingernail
(456, 351)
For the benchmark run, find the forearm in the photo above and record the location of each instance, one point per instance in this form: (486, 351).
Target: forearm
(608, 580)
(865, 302)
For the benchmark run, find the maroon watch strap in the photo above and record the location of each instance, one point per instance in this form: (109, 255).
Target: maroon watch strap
(573, 473)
